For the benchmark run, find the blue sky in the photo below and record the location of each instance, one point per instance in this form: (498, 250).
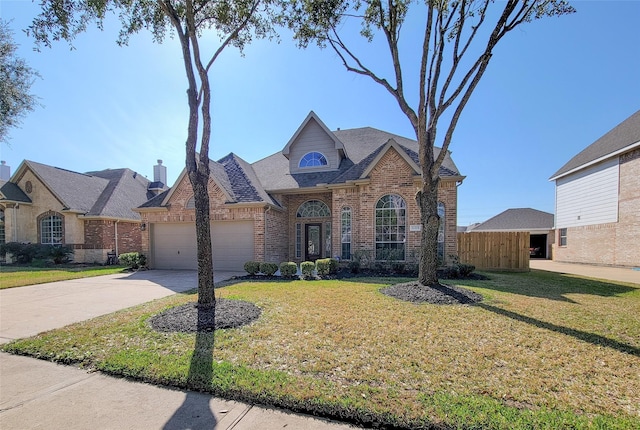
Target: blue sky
(553, 87)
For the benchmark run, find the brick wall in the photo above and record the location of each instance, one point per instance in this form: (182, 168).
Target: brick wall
(611, 243)
(100, 236)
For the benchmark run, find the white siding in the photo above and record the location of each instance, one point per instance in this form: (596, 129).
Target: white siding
(589, 196)
(313, 138)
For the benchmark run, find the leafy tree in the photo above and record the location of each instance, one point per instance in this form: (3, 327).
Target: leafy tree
(235, 22)
(454, 47)
(16, 78)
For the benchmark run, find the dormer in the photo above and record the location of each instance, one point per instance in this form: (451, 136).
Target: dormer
(313, 147)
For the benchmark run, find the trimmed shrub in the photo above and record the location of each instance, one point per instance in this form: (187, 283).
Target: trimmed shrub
(268, 268)
(354, 266)
(333, 266)
(252, 267)
(288, 269)
(323, 266)
(307, 267)
(133, 260)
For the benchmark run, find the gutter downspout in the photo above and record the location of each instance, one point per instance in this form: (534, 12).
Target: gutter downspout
(116, 234)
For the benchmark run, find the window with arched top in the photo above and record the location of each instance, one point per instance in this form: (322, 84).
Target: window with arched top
(191, 203)
(391, 227)
(313, 209)
(313, 159)
(51, 227)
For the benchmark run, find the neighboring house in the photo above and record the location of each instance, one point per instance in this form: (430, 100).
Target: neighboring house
(326, 194)
(89, 212)
(598, 200)
(538, 223)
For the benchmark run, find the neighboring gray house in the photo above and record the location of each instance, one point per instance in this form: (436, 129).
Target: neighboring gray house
(598, 200)
(538, 223)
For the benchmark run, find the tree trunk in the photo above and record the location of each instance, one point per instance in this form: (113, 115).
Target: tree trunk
(206, 293)
(427, 199)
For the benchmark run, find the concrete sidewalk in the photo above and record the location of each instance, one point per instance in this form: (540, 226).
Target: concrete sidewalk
(591, 271)
(39, 394)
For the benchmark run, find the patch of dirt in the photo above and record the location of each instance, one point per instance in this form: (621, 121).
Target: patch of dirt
(192, 318)
(435, 294)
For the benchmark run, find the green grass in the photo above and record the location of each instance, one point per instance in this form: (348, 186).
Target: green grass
(20, 276)
(542, 351)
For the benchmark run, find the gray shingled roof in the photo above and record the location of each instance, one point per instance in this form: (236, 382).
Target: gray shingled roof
(13, 193)
(126, 190)
(361, 145)
(106, 193)
(624, 134)
(77, 191)
(518, 219)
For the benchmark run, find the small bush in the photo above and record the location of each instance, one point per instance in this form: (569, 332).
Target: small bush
(306, 267)
(60, 254)
(133, 260)
(354, 266)
(333, 266)
(398, 267)
(268, 268)
(458, 270)
(322, 266)
(288, 269)
(252, 267)
(466, 269)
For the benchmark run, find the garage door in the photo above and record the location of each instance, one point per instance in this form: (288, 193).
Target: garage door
(174, 245)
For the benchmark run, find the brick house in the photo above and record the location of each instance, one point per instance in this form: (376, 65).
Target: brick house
(345, 194)
(89, 212)
(598, 200)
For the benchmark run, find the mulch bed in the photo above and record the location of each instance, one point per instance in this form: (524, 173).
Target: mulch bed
(435, 294)
(191, 318)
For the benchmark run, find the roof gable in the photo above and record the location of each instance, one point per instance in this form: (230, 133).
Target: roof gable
(621, 138)
(312, 117)
(387, 147)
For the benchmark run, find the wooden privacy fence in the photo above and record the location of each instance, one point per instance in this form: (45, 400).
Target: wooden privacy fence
(495, 250)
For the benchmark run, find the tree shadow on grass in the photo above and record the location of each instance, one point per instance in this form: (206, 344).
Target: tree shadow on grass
(584, 336)
(195, 411)
(552, 286)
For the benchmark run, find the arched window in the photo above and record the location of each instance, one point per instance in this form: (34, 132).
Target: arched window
(51, 229)
(441, 229)
(391, 226)
(313, 159)
(313, 209)
(191, 203)
(345, 233)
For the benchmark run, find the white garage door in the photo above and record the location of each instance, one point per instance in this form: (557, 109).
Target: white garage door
(174, 245)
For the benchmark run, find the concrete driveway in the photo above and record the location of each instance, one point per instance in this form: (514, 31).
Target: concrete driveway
(591, 271)
(27, 311)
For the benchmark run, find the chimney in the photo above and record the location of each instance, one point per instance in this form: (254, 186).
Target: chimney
(5, 171)
(160, 173)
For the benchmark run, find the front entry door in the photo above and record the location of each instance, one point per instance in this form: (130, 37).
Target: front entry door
(313, 241)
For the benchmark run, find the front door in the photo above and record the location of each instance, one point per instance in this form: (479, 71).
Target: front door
(313, 241)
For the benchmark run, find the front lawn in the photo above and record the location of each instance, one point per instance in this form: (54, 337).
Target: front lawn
(20, 276)
(541, 351)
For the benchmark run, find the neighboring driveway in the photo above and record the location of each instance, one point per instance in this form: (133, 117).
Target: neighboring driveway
(26, 311)
(591, 271)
